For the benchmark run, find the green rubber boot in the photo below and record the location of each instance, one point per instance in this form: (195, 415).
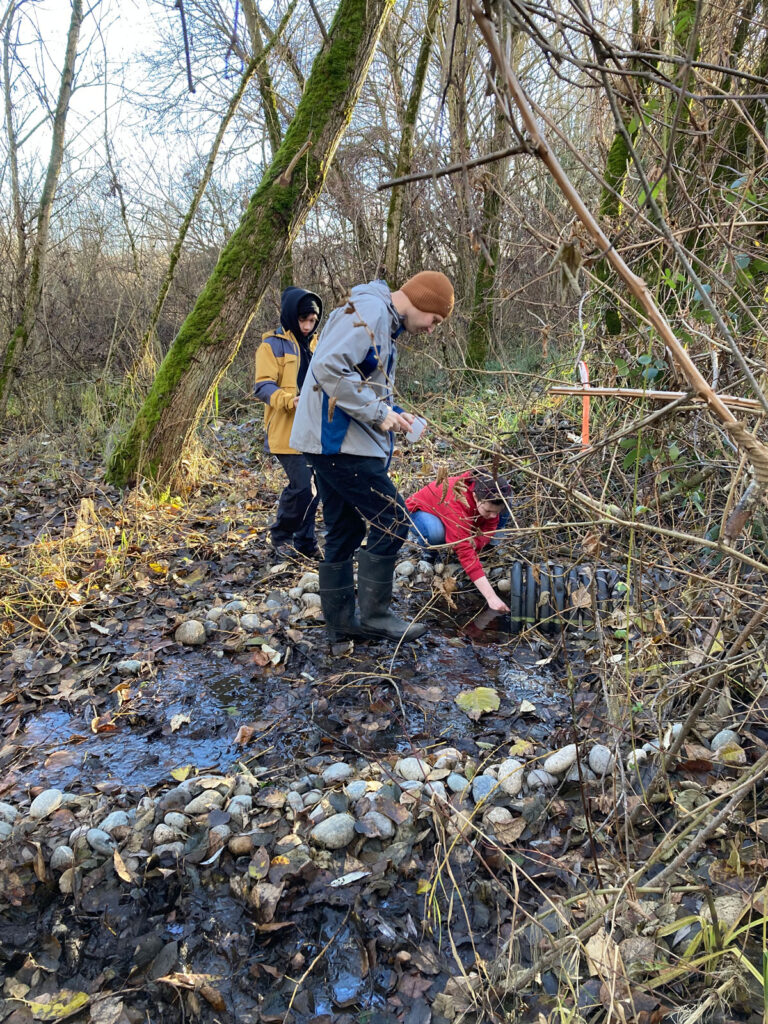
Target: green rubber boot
(374, 595)
(337, 597)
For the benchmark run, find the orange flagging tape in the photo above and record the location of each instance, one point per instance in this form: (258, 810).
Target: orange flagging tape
(584, 378)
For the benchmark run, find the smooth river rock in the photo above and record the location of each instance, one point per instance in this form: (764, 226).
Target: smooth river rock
(128, 667)
(335, 773)
(456, 783)
(539, 779)
(379, 825)
(117, 819)
(561, 760)
(210, 800)
(63, 857)
(510, 774)
(600, 759)
(100, 841)
(723, 738)
(412, 768)
(483, 786)
(356, 789)
(335, 832)
(8, 812)
(192, 633)
(46, 803)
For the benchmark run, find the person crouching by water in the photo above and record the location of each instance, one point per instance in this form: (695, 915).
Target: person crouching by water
(462, 511)
(282, 362)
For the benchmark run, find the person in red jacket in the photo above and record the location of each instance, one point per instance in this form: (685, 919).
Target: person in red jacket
(463, 511)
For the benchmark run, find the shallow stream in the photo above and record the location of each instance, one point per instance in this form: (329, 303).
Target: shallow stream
(364, 701)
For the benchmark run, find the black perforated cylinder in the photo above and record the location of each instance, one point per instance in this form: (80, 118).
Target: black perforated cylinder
(543, 595)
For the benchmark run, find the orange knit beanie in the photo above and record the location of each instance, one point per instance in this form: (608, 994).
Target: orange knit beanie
(431, 292)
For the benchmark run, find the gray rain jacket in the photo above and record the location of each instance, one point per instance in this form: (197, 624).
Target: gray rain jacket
(351, 378)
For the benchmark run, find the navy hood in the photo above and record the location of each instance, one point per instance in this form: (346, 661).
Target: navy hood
(289, 312)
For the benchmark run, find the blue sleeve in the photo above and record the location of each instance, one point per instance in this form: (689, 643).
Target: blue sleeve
(264, 389)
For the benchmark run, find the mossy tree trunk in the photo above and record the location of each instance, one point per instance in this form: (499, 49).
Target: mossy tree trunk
(405, 152)
(456, 72)
(616, 167)
(210, 336)
(19, 336)
(481, 318)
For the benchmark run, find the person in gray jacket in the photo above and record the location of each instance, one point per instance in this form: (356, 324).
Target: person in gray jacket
(345, 424)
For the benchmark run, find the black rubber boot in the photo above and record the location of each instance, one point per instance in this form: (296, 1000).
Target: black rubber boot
(374, 595)
(337, 597)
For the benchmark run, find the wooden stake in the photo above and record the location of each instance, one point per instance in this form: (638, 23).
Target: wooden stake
(734, 401)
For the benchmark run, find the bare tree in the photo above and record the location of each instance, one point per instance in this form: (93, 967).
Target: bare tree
(33, 267)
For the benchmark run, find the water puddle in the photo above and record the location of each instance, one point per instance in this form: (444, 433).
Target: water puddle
(191, 712)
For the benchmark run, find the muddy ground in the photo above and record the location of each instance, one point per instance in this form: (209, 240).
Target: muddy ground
(432, 924)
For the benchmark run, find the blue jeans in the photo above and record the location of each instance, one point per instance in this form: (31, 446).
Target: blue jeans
(427, 529)
(503, 520)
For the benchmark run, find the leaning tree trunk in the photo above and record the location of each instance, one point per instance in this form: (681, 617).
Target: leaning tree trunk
(211, 334)
(18, 339)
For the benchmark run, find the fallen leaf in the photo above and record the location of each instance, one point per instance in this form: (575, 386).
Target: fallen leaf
(264, 898)
(180, 774)
(445, 587)
(478, 701)
(198, 983)
(108, 1010)
(244, 735)
(591, 545)
(580, 597)
(39, 863)
(60, 1006)
(259, 866)
(511, 832)
(178, 720)
(103, 723)
(414, 986)
(732, 753)
(121, 869)
(348, 879)
(603, 957)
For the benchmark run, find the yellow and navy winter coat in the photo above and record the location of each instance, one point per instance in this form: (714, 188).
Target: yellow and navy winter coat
(278, 372)
(277, 368)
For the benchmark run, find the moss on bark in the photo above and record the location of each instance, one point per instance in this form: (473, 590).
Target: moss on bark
(210, 336)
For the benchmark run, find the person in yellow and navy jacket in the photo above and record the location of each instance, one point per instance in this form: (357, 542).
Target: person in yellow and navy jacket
(282, 362)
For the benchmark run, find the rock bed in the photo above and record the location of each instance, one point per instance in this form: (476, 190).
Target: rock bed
(237, 620)
(362, 807)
